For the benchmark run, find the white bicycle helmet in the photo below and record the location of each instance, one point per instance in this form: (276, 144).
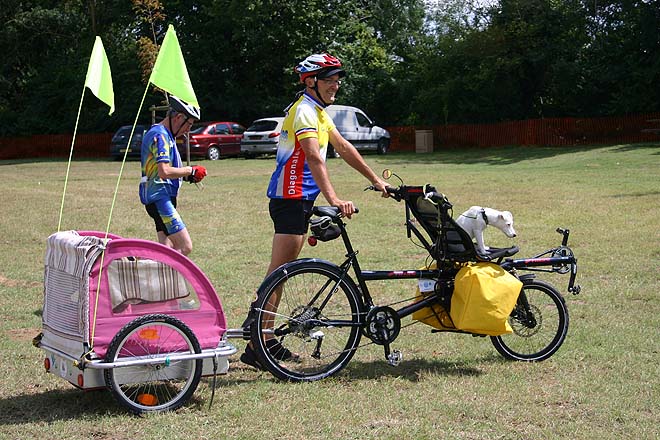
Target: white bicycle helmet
(321, 65)
(181, 106)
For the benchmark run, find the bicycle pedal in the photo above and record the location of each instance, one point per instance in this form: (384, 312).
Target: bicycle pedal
(394, 358)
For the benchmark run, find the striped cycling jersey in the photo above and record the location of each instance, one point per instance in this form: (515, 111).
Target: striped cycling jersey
(158, 145)
(292, 178)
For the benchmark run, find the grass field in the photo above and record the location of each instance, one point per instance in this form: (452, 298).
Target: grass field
(603, 383)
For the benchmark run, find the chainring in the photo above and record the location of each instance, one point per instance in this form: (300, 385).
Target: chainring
(382, 325)
(562, 251)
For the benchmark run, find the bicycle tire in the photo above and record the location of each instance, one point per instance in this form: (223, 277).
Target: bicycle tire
(322, 329)
(154, 387)
(539, 336)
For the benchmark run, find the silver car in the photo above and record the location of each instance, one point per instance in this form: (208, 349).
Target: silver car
(358, 129)
(261, 137)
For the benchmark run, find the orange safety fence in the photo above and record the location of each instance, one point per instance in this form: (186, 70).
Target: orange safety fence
(543, 132)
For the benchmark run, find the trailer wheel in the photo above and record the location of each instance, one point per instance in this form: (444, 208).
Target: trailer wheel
(163, 385)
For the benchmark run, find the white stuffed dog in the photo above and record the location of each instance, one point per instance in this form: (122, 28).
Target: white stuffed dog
(475, 220)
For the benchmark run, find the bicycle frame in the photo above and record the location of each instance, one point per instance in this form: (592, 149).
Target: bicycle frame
(536, 263)
(362, 276)
(558, 264)
(325, 310)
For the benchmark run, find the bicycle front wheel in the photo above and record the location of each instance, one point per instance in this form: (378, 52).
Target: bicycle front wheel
(161, 385)
(307, 323)
(539, 322)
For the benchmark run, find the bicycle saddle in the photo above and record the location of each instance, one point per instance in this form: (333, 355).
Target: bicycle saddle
(329, 211)
(495, 253)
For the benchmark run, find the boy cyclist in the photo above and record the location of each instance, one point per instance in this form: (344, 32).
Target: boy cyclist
(162, 172)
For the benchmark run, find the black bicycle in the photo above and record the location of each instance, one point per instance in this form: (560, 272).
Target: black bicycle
(311, 314)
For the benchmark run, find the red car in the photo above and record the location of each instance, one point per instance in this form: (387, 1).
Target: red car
(213, 140)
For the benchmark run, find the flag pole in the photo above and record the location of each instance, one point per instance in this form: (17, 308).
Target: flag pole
(68, 167)
(123, 162)
(99, 81)
(112, 207)
(173, 79)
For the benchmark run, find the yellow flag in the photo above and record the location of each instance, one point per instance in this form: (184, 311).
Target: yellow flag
(99, 77)
(170, 73)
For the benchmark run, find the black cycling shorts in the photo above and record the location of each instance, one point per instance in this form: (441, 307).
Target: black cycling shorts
(290, 216)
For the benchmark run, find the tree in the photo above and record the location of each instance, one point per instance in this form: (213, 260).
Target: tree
(46, 47)
(622, 63)
(247, 49)
(409, 61)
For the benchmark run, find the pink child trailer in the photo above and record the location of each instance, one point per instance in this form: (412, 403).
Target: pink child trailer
(131, 315)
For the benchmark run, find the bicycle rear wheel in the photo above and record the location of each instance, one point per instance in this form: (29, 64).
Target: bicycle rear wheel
(159, 386)
(307, 321)
(539, 322)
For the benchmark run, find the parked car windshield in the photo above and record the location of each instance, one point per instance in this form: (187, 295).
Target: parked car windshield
(124, 132)
(197, 128)
(263, 126)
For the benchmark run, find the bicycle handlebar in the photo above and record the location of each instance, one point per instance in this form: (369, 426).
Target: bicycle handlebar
(395, 192)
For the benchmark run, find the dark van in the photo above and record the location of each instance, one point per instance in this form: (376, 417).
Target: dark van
(119, 142)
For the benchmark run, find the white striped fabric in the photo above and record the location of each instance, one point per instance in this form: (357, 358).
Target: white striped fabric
(68, 262)
(134, 280)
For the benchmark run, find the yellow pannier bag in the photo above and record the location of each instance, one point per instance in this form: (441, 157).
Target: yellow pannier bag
(484, 296)
(435, 315)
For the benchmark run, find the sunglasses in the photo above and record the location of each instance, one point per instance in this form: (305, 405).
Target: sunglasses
(332, 82)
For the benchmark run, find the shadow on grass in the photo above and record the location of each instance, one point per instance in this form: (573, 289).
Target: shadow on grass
(486, 156)
(635, 194)
(630, 147)
(73, 404)
(413, 370)
(57, 405)
(500, 155)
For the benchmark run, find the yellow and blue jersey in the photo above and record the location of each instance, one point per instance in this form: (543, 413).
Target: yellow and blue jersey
(292, 178)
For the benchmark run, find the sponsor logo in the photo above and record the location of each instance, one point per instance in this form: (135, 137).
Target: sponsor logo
(292, 178)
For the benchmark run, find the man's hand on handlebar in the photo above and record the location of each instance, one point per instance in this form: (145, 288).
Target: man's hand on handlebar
(379, 186)
(382, 187)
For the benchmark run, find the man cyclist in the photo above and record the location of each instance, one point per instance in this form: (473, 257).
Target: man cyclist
(162, 172)
(301, 173)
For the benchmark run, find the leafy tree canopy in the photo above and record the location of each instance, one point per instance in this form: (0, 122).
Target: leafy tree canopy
(409, 61)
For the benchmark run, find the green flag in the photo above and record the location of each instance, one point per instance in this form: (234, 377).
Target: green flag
(170, 72)
(99, 77)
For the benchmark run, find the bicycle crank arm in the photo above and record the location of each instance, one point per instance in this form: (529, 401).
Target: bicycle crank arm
(393, 357)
